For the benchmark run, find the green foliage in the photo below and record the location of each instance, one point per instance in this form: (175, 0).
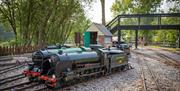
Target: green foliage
(135, 6)
(148, 6)
(121, 6)
(43, 21)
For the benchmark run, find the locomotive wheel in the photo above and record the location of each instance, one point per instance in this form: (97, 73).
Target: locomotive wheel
(58, 85)
(32, 79)
(122, 68)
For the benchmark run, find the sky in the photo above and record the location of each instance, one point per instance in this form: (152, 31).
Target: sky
(94, 14)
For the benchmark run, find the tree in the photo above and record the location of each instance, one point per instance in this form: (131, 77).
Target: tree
(103, 12)
(8, 11)
(135, 6)
(42, 21)
(121, 7)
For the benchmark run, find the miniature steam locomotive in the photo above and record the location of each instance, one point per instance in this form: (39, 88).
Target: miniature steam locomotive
(62, 66)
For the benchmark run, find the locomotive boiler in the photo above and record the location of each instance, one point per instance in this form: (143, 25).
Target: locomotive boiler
(43, 54)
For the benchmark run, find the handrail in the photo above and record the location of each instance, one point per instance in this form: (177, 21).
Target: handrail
(151, 15)
(112, 20)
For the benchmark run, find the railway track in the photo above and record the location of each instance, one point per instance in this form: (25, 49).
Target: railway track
(11, 78)
(22, 86)
(8, 58)
(15, 63)
(14, 86)
(168, 60)
(12, 68)
(27, 86)
(149, 80)
(7, 67)
(16, 82)
(161, 57)
(142, 77)
(18, 63)
(41, 87)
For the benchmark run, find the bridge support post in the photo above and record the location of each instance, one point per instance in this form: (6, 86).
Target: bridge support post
(179, 38)
(119, 36)
(136, 39)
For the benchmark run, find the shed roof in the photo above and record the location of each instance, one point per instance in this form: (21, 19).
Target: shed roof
(103, 29)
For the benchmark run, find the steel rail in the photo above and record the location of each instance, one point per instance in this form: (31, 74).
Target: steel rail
(14, 86)
(150, 72)
(152, 75)
(11, 69)
(142, 76)
(10, 79)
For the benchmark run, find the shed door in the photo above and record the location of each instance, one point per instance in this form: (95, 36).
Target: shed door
(93, 37)
(86, 39)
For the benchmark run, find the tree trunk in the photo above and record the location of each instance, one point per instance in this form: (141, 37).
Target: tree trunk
(103, 12)
(42, 32)
(41, 37)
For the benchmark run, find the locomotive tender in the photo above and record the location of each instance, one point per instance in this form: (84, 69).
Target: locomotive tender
(63, 67)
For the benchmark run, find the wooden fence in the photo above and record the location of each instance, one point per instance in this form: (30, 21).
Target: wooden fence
(13, 50)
